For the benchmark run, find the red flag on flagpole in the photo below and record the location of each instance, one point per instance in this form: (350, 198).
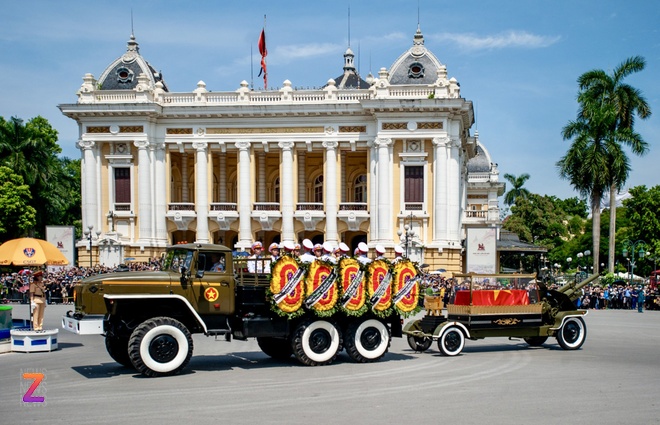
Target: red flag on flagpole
(264, 52)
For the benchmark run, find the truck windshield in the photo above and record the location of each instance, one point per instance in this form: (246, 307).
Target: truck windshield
(177, 258)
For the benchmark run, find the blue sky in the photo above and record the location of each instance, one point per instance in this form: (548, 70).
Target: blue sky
(517, 61)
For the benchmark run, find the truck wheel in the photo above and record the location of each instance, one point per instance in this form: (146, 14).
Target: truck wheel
(535, 341)
(367, 341)
(117, 347)
(419, 343)
(277, 348)
(160, 346)
(316, 343)
(451, 341)
(572, 334)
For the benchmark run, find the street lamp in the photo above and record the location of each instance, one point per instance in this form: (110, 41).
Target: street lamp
(654, 258)
(88, 234)
(632, 246)
(407, 235)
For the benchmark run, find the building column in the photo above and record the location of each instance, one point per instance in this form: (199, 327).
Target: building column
(88, 165)
(331, 206)
(144, 193)
(384, 190)
(201, 191)
(440, 201)
(343, 182)
(302, 177)
(222, 177)
(453, 191)
(160, 202)
(244, 196)
(373, 192)
(286, 192)
(184, 177)
(261, 177)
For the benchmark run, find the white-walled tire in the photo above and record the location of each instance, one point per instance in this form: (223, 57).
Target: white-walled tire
(572, 333)
(451, 341)
(160, 346)
(367, 341)
(316, 343)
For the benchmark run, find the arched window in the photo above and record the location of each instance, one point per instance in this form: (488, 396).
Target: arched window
(360, 188)
(318, 189)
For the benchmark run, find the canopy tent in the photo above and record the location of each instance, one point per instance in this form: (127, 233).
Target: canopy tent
(626, 277)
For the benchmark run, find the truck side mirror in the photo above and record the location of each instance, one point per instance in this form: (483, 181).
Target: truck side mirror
(199, 274)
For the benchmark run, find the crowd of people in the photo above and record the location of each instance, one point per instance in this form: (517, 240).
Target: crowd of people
(58, 283)
(618, 297)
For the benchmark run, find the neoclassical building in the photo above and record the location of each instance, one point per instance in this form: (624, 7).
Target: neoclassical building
(389, 159)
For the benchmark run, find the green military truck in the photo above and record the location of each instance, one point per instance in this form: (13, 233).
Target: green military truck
(148, 317)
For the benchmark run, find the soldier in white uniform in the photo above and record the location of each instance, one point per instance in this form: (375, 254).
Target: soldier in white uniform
(256, 266)
(274, 250)
(398, 254)
(327, 253)
(318, 250)
(363, 250)
(343, 249)
(380, 252)
(307, 256)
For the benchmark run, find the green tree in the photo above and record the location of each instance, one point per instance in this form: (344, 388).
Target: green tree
(31, 150)
(601, 90)
(642, 212)
(536, 219)
(517, 189)
(17, 215)
(572, 206)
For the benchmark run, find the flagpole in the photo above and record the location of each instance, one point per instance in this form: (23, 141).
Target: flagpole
(251, 69)
(264, 58)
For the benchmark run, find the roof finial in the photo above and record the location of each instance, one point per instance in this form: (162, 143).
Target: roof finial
(132, 32)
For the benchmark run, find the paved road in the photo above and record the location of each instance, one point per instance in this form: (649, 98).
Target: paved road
(613, 379)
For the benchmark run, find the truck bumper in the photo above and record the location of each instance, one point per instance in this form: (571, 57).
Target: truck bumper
(88, 325)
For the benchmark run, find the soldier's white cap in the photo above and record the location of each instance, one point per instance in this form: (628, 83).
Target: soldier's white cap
(327, 247)
(288, 245)
(398, 249)
(343, 247)
(318, 246)
(363, 247)
(380, 249)
(273, 246)
(307, 244)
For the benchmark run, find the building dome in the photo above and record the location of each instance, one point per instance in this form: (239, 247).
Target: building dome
(480, 163)
(122, 74)
(417, 65)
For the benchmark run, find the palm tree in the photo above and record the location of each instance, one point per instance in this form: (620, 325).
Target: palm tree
(598, 90)
(517, 188)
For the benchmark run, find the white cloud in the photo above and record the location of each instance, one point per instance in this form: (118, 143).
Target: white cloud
(286, 54)
(509, 39)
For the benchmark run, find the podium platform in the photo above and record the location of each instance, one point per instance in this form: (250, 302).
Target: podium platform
(30, 341)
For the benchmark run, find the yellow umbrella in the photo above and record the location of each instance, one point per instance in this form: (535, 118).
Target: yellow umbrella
(30, 252)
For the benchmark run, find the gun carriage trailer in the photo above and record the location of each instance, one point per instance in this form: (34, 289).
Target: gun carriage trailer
(534, 314)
